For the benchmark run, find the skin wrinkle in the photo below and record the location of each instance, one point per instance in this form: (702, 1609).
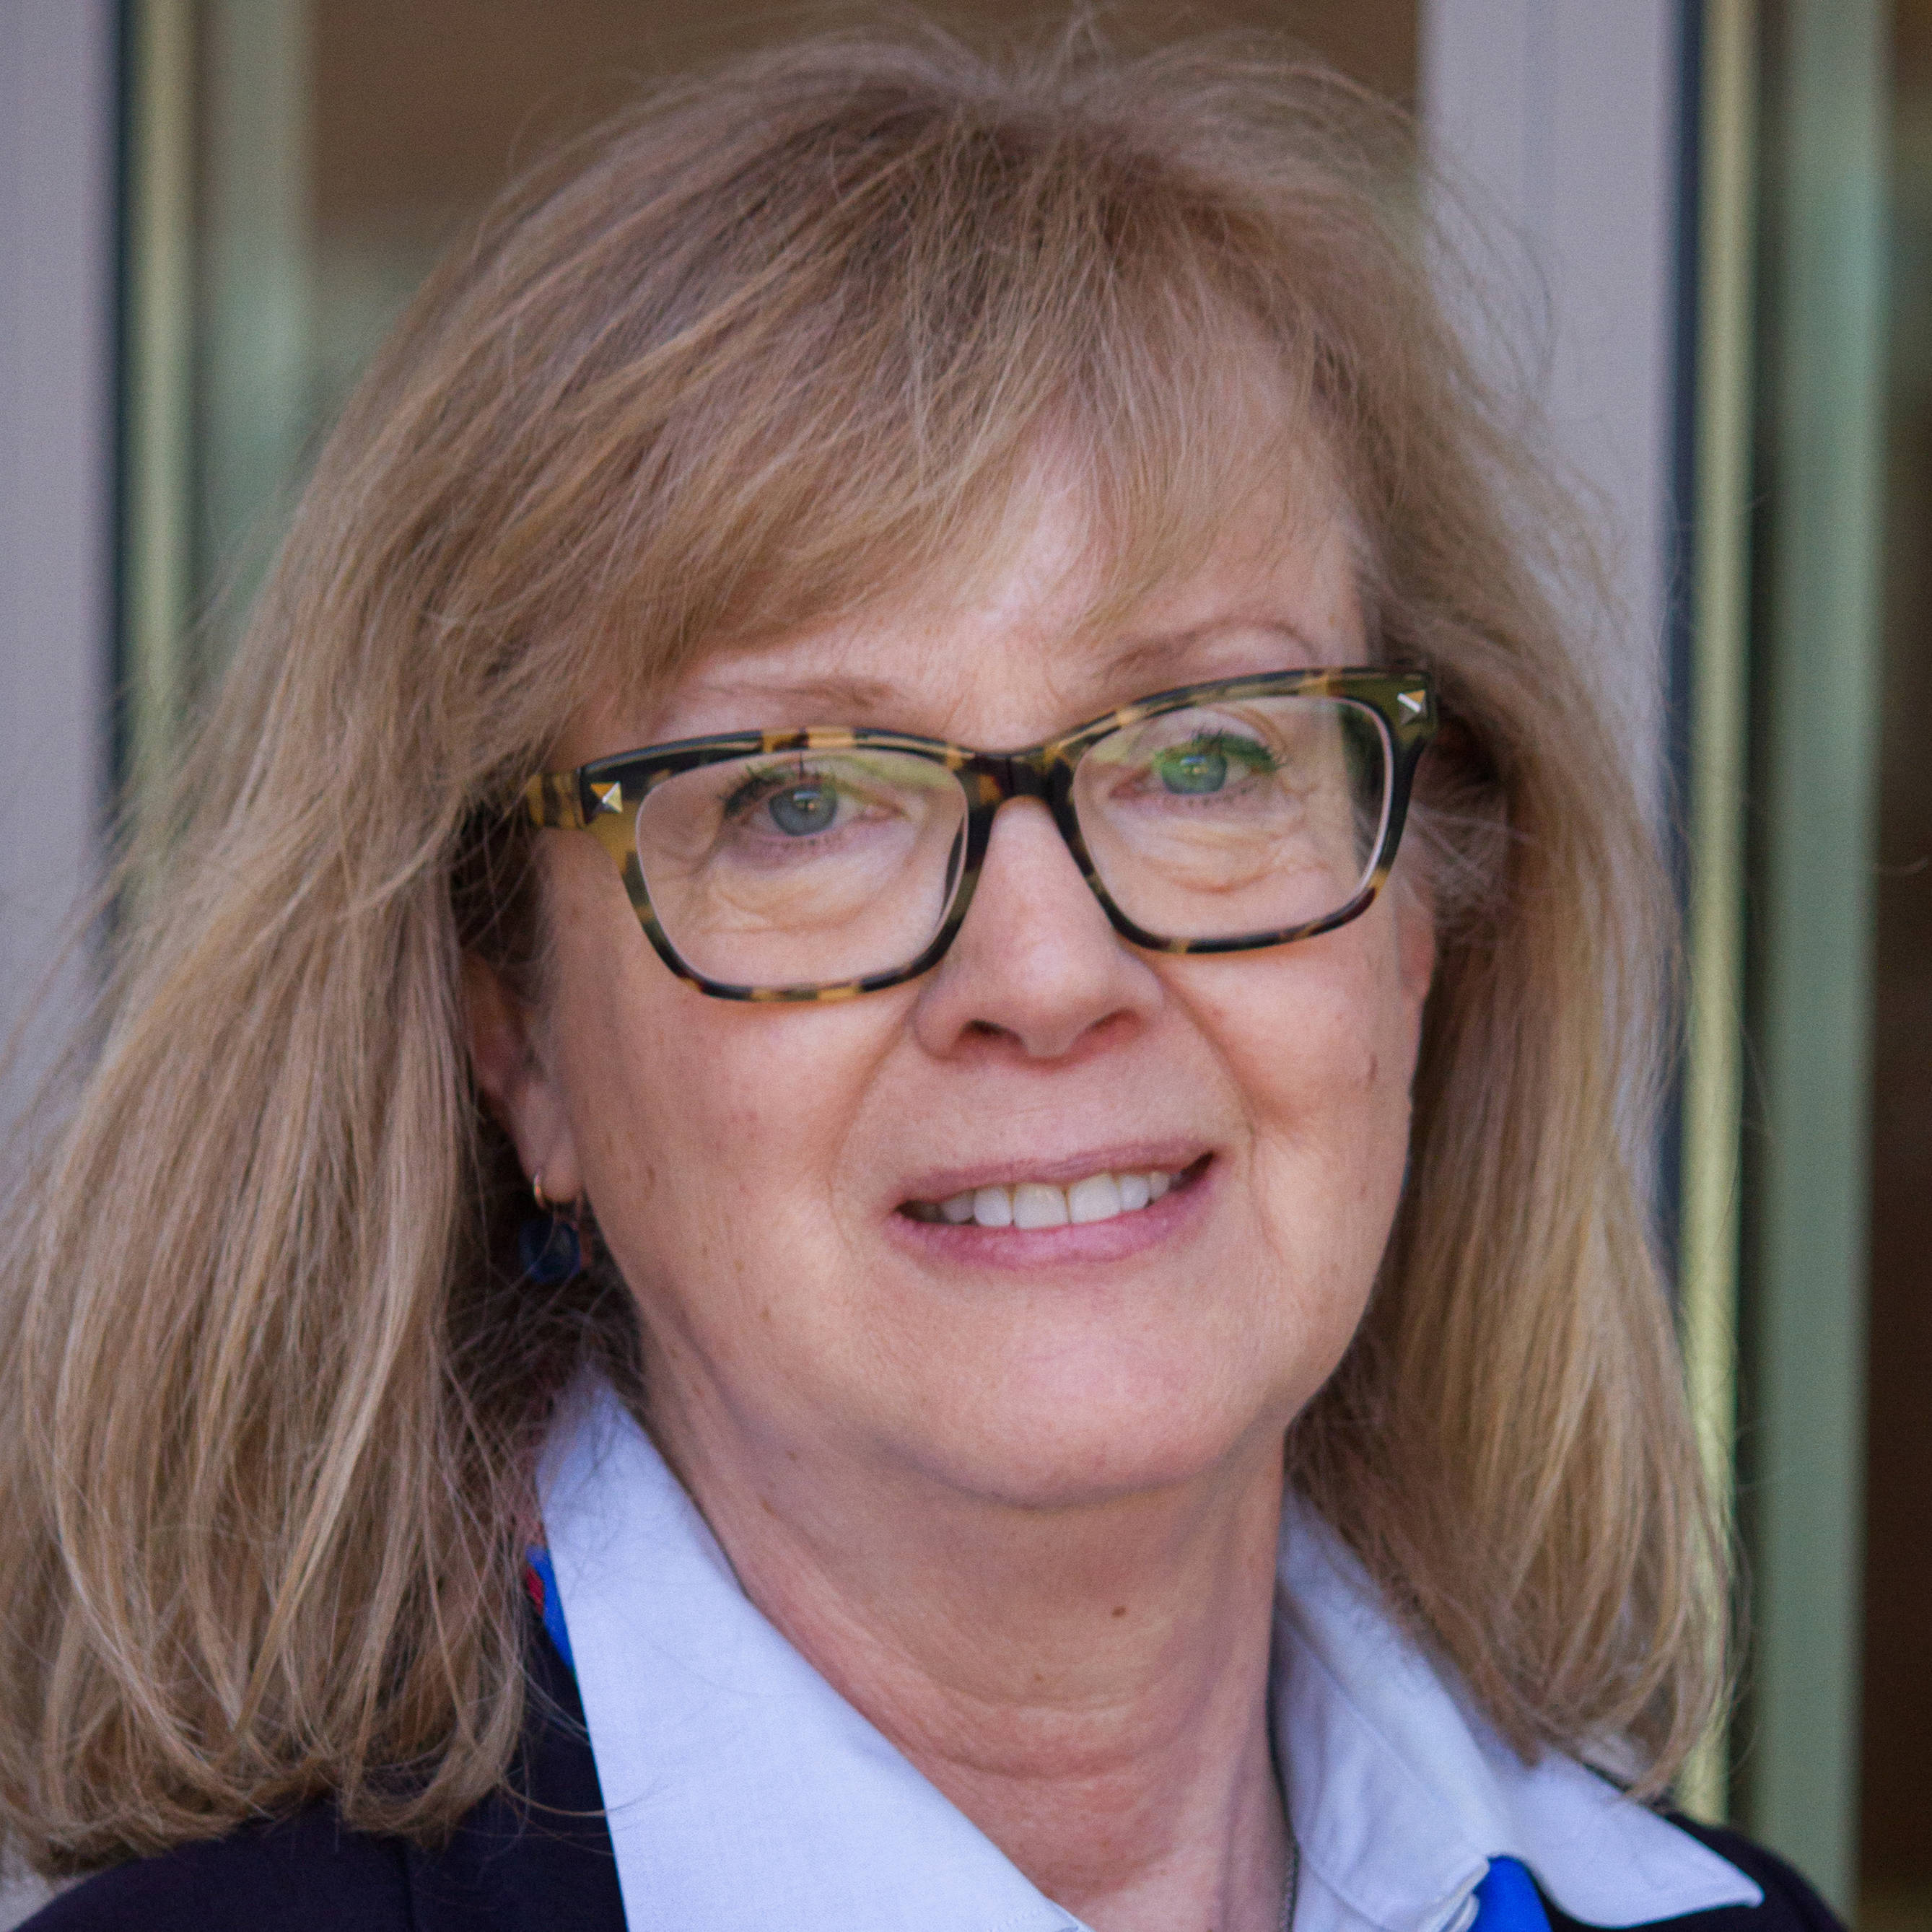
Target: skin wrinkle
(1026, 1524)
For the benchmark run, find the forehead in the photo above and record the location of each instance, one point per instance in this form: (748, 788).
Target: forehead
(1052, 625)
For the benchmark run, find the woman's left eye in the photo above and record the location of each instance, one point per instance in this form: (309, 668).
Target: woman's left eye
(1204, 765)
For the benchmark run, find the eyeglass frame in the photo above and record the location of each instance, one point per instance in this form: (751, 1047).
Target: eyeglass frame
(604, 796)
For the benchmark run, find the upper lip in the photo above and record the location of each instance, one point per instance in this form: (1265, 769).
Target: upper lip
(1146, 1157)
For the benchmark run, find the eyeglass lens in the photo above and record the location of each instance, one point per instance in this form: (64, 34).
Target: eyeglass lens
(1216, 822)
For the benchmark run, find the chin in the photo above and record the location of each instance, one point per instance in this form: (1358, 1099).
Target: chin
(1072, 1442)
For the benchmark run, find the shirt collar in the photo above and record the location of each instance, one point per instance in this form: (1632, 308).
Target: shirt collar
(743, 1792)
(1400, 1792)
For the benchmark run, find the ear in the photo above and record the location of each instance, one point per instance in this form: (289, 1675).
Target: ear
(517, 1081)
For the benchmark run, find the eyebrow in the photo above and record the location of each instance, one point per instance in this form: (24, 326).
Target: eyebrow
(1137, 654)
(856, 699)
(858, 696)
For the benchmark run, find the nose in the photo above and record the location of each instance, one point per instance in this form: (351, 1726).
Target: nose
(1036, 965)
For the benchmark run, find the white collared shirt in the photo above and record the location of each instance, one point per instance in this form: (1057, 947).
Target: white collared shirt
(744, 1794)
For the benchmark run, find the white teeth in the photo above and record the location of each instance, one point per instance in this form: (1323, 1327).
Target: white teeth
(1096, 1198)
(993, 1208)
(1034, 1203)
(1037, 1205)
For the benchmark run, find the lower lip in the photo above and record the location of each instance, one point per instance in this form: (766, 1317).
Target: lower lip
(968, 1245)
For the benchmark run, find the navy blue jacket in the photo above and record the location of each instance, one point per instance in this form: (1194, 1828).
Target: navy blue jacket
(544, 1864)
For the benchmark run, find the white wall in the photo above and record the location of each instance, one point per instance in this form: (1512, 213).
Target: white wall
(57, 167)
(1561, 117)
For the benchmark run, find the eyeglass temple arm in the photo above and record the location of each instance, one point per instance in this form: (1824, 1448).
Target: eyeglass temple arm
(556, 801)
(551, 802)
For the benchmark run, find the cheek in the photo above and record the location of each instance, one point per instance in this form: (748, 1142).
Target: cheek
(1319, 1041)
(693, 1144)
(712, 1133)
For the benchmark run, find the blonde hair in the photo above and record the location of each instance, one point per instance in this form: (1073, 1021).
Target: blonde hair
(781, 339)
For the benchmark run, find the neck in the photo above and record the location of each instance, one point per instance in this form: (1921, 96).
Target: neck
(1088, 1683)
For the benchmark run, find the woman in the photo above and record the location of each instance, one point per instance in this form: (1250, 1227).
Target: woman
(1057, 1335)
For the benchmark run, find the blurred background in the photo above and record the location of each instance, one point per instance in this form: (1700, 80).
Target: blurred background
(1717, 215)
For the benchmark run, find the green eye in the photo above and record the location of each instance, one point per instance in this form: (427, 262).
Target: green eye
(1199, 767)
(1196, 768)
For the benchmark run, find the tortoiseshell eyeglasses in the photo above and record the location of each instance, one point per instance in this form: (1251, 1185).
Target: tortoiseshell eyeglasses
(821, 863)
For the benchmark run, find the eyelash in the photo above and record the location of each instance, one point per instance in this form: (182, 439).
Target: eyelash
(755, 787)
(1250, 754)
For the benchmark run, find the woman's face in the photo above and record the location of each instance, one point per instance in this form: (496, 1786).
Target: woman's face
(758, 1170)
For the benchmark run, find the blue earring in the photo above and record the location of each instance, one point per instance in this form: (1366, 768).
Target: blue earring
(550, 1244)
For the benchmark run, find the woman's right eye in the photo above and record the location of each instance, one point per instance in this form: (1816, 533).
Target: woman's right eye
(800, 810)
(796, 804)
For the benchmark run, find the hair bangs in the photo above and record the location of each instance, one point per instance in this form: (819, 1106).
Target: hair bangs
(863, 377)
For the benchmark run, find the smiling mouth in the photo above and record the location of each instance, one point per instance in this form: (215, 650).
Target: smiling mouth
(1025, 1204)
